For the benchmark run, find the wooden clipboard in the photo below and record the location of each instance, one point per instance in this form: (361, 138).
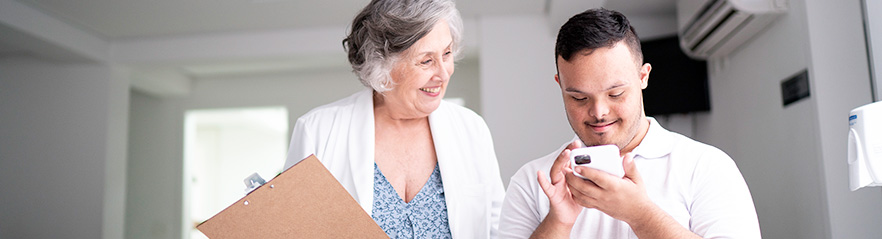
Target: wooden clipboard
(305, 201)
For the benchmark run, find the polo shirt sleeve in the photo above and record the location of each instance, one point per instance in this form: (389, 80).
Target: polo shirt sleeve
(722, 206)
(520, 215)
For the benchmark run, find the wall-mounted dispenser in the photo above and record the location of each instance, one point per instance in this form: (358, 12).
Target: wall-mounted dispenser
(865, 146)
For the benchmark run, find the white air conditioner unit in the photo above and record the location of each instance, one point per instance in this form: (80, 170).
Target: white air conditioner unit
(713, 28)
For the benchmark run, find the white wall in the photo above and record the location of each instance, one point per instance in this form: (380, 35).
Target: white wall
(840, 74)
(519, 98)
(155, 174)
(793, 158)
(774, 147)
(62, 154)
(466, 83)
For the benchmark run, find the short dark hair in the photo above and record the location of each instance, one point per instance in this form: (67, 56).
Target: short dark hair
(593, 29)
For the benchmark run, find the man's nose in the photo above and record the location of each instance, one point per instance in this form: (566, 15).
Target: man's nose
(599, 109)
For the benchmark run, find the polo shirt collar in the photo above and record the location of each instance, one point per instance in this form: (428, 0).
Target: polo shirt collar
(657, 143)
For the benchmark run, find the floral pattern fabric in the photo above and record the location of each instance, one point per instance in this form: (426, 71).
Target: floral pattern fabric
(425, 216)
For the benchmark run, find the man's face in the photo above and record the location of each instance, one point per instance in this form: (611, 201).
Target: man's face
(602, 94)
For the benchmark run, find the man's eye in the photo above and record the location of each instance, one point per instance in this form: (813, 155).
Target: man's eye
(617, 95)
(426, 62)
(580, 99)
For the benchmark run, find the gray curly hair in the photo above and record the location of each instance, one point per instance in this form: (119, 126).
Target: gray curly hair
(384, 29)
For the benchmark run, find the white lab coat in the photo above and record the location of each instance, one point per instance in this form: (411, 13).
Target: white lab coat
(341, 135)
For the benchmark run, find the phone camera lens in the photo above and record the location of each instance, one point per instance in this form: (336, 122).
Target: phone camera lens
(582, 159)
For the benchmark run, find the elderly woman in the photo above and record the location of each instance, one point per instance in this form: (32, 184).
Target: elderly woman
(421, 167)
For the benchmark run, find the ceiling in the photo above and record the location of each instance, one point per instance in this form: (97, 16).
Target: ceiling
(166, 43)
(125, 19)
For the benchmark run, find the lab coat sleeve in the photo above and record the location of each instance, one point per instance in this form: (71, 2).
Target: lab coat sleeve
(303, 143)
(497, 190)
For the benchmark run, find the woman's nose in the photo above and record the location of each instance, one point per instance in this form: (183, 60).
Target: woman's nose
(444, 70)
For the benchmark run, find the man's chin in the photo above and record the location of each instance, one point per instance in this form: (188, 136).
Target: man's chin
(594, 140)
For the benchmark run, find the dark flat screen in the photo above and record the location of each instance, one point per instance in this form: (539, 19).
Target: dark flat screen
(677, 83)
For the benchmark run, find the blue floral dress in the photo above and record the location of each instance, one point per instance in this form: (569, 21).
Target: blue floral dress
(425, 216)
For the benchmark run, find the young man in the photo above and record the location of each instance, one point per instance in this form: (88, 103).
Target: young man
(674, 187)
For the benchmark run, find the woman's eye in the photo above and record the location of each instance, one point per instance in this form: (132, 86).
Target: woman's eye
(448, 53)
(426, 62)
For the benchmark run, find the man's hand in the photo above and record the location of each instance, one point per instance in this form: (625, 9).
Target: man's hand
(564, 211)
(621, 198)
(624, 199)
(563, 208)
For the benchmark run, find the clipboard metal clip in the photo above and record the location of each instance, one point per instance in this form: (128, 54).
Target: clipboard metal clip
(252, 182)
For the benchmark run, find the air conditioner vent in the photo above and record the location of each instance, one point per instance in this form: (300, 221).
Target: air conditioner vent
(719, 26)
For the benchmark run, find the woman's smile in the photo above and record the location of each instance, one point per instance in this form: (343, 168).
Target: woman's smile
(431, 91)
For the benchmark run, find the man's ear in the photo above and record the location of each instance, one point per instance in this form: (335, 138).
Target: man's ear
(644, 75)
(557, 79)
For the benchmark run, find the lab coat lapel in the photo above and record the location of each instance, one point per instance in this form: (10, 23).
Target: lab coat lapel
(361, 149)
(450, 162)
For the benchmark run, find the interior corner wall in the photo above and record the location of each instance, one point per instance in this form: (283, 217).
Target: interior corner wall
(793, 157)
(55, 160)
(118, 95)
(840, 80)
(774, 146)
(873, 11)
(154, 176)
(520, 100)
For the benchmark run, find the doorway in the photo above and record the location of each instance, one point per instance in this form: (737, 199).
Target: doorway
(221, 148)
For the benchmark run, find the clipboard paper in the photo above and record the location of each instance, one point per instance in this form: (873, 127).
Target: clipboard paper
(305, 201)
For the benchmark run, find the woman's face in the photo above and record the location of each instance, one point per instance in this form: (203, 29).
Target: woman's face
(421, 74)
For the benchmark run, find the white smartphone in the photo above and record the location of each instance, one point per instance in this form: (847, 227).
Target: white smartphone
(603, 157)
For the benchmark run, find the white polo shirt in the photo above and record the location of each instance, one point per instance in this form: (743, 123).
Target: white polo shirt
(697, 184)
